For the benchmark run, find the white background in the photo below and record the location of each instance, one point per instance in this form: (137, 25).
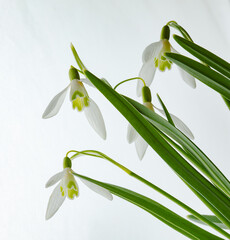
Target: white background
(110, 36)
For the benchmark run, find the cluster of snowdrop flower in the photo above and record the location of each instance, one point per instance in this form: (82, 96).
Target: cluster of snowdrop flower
(80, 101)
(153, 58)
(68, 187)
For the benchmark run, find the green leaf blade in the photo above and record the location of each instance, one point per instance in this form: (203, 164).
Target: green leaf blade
(206, 75)
(211, 218)
(165, 151)
(204, 55)
(157, 210)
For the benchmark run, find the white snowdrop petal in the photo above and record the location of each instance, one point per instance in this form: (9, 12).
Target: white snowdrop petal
(147, 73)
(179, 124)
(95, 119)
(190, 80)
(54, 179)
(182, 126)
(151, 51)
(55, 202)
(55, 104)
(75, 85)
(141, 147)
(131, 134)
(100, 190)
(87, 81)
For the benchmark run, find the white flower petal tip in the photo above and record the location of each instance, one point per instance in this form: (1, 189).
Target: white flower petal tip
(147, 73)
(95, 119)
(182, 127)
(87, 81)
(131, 134)
(141, 147)
(190, 80)
(151, 51)
(55, 104)
(55, 202)
(54, 179)
(100, 190)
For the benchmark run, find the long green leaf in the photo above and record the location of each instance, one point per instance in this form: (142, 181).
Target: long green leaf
(168, 154)
(204, 55)
(157, 210)
(167, 114)
(206, 75)
(166, 127)
(211, 218)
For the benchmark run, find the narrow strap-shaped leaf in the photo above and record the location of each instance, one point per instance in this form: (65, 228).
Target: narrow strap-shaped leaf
(166, 127)
(157, 210)
(204, 55)
(211, 218)
(166, 111)
(227, 102)
(160, 145)
(205, 74)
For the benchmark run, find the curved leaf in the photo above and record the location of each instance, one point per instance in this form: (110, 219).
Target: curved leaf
(157, 210)
(206, 75)
(190, 175)
(204, 55)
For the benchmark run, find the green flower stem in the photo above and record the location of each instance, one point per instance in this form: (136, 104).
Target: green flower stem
(130, 79)
(180, 29)
(151, 185)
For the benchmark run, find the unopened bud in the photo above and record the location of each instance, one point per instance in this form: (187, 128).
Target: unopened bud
(165, 32)
(67, 162)
(146, 94)
(73, 73)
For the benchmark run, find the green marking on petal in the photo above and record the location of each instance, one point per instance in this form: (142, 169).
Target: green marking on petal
(77, 93)
(62, 191)
(71, 184)
(71, 193)
(77, 103)
(86, 101)
(156, 62)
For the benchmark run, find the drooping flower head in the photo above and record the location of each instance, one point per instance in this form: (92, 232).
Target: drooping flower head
(68, 187)
(80, 101)
(132, 135)
(153, 58)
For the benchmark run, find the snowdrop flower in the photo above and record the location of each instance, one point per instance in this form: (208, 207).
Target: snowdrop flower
(153, 58)
(132, 135)
(68, 187)
(80, 101)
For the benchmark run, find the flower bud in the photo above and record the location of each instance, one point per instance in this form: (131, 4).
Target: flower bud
(146, 94)
(73, 73)
(165, 32)
(67, 162)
